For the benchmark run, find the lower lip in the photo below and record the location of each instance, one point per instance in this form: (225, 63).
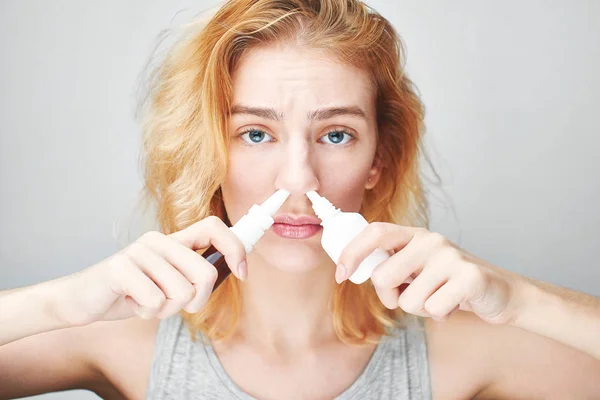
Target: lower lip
(296, 231)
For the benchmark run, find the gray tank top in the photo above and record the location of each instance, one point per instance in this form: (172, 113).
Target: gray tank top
(184, 370)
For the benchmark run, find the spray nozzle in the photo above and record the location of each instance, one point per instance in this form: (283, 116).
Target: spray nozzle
(250, 228)
(273, 203)
(323, 207)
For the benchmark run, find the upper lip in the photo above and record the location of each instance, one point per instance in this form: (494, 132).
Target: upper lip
(297, 220)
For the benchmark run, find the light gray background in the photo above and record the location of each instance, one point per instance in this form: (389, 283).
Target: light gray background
(511, 88)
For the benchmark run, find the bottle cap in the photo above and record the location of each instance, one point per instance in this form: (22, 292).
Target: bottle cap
(252, 226)
(323, 207)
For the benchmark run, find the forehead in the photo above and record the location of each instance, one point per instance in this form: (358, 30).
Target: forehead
(285, 75)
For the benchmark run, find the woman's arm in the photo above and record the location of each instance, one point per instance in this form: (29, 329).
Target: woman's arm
(519, 339)
(448, 278)
(39, 352)
(50, 332)
(112, 359)
(48, 362)
(567, 316)
(29, 310)
(470, 358)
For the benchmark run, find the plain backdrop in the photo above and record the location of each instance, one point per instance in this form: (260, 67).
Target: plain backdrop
(512, 92)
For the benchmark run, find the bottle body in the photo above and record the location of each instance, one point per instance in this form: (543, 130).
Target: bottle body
(338, 230)
(214, 256)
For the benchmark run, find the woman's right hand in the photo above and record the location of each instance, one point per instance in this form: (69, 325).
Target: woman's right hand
(156, 276)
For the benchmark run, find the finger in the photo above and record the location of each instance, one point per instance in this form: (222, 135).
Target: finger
(123, 308)
(414, 297)
(200, 273)
(131, 304)
(399, 268)
(389, 296)
(129, 280)
(386, 236)
(203, 292)
(177, 289)
(204, 287)
(445, 300)
(212, 230)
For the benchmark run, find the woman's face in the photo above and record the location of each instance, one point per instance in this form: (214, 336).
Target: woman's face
(300, 121)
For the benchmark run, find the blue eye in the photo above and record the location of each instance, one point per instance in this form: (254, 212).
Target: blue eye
(255, 136)
(337, 137)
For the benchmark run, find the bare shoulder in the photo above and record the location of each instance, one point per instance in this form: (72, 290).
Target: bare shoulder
(457, 360)
(470, 358)
(112, 359)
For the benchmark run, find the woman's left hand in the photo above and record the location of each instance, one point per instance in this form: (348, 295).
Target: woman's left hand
(446, 277)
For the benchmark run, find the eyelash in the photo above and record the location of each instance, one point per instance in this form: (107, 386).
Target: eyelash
(248, 130)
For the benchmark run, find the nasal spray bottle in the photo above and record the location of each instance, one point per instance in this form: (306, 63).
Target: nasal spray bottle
(339, 228)
(249, 229)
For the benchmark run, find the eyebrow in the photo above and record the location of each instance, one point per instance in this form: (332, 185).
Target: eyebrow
(316, 115)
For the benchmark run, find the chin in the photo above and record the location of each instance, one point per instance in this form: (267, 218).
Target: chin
(293, 255)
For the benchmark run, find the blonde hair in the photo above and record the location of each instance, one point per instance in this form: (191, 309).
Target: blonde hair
(185, 114)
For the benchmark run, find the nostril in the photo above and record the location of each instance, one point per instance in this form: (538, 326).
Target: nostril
(297, 178)
(300, 192)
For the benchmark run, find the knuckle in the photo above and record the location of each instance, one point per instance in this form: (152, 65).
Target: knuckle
(191, 309)
(151, 236)
(377, 229)
(213, 221)
(451, 255)
(156, 300)
(185, 295)
(378, 278)
(472, 274)
(116, 261)
(135, 250)
(205, 274)
(211, 275)
(390, 305)
(119, 265)
(421, 232)
(437, 239)
(433, 310)
(407, 304)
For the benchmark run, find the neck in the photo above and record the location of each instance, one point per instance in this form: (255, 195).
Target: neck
(286, 311)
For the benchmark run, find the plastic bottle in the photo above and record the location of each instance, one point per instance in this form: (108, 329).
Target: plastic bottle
(249, 229)
(339, 228)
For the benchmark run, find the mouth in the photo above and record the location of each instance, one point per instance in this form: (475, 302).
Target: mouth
(296, 227)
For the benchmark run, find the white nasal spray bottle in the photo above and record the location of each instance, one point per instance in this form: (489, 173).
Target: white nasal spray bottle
(339, 228)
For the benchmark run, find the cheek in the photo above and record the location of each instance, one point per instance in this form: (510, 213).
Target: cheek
(246, 183)
(343, 183)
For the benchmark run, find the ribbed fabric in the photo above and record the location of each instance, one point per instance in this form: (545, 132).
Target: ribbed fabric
(185, 370)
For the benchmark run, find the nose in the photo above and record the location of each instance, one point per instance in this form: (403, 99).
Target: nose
(297, 172)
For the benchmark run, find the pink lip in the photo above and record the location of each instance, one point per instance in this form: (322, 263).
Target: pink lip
(296, 227)
(297, 220)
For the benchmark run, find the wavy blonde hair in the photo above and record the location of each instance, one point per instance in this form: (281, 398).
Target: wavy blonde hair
(185, 114)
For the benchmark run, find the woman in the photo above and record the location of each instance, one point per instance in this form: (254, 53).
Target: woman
(298, 95)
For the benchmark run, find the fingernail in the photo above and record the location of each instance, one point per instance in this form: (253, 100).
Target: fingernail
(243, 270)
(340, 273)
